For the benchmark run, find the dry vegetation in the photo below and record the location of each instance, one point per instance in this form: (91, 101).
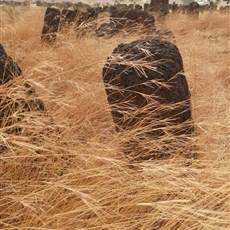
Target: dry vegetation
(66, 170)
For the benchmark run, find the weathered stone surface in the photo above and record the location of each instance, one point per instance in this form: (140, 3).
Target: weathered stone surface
(17, 101)
(160, 8)
(51, 25)
(146, 87)
(8, 68)
(86, 16)
(160, 5)
(147, 7)
(134, 16)
(174, 7)
(107, 30)
(193, 10)
(138, 7)
(68, 16)
(225, 9)
(56, 20)
(129, 21)
(13, 108)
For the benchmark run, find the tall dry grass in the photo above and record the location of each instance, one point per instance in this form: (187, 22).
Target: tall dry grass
(67, 170)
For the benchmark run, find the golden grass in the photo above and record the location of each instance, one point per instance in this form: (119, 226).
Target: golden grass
(67, 170)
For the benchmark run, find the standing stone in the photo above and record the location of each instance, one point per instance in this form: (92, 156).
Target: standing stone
(138, 7)
(159, 5)
(146, 87)
(8, 68)
(13, 105)
(133, 17)
(174, 7)
(51, 25)
(147, 7)
(130, 7)
(128, 20)
(83, 17)
(68, 16)
(161, 8)
(92, 14)
(193, 10)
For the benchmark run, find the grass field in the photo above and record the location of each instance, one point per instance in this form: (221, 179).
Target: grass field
(67, 170)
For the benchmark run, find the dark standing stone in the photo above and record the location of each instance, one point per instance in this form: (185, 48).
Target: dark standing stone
(159, 5)
(147, 7)
(138, 7)
(8, 68)
(130, 6)
(136, 16)
(174, 7)
(68, 15)
(193, 10)
(51, 25)
(143, 96)
(12, 107)
(87, 16)
(128, 20)
(92, 14)
(105, 9)
(160, 8)
(107, 30)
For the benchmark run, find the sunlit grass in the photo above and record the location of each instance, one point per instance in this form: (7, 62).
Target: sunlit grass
(67, 169)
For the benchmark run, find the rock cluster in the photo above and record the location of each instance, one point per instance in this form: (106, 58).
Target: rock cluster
(56, 19)
(128, 21)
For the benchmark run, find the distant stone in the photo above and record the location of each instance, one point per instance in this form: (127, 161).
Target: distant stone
(129, 21)
(193, 10)
(127, 17)
(51, 25)
(89, 15)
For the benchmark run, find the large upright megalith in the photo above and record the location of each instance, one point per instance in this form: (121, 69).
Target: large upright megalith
(51, 25)
(146, 87)
(159, 5)
(68, 17)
